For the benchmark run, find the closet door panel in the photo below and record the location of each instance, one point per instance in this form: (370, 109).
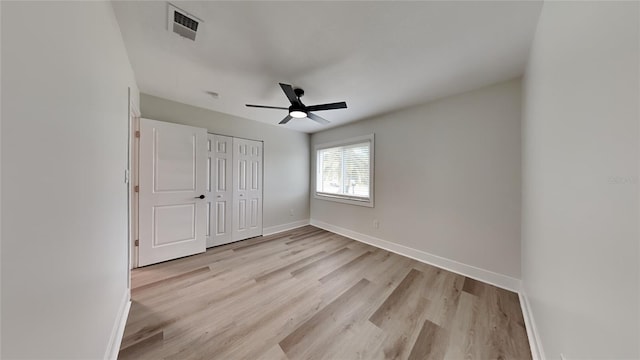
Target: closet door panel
(247, 191)
(220, 185)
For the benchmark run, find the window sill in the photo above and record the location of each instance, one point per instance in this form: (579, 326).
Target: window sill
(345, 200)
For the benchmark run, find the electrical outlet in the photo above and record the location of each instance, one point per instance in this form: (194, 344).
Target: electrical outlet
(376, 224)
(291, 212)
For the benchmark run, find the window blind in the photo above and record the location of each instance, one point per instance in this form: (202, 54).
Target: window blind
(344, 171)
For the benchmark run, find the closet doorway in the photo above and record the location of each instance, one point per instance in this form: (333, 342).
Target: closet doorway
(235, 189)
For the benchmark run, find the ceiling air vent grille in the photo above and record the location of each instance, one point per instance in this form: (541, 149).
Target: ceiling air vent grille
(187, 22)
(183, 24)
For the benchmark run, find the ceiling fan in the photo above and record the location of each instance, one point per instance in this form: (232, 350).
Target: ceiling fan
(299, 110)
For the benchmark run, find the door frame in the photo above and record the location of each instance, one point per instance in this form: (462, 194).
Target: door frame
(133, 159)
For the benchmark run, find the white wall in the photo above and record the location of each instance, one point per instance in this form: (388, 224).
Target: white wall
(580, 191)
(447, 179)
(286, 155)
(65, 74)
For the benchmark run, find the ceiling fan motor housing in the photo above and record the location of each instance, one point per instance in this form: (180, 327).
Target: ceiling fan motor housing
(298, 108)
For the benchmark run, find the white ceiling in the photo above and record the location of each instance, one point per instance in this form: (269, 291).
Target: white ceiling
(376, 56)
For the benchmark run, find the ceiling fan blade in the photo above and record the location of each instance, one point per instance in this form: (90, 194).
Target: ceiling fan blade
(267, 107)
(291, 95)
(332, 106)
(318, 119)
(285, 120)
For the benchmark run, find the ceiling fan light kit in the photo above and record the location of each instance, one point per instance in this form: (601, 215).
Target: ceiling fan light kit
(298, 114)
(298, 110)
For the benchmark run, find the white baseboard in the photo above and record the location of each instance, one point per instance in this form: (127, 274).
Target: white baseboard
(537, 351)
(284, 227)
(113, 347)
(499, 280)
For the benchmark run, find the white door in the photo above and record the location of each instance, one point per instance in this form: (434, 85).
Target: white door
(220, 190)
(247, 189)
(172, 214)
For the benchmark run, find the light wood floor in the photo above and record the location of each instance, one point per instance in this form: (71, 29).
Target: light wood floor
(312, 294)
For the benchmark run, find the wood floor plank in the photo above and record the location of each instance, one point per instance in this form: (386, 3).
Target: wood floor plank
(340, 253)
(274, 353)
(310, 294)
(465, 337)
(402, 315)
(308, 331)
(304, 256)
(175, 278)
(345, 268)
(473, 286)
(315, 234)
(143, 347)
(396, 299)
(261, 242)
(309, 243)
(432, 343)
(360, 341)
(154, 273)
(290, 267)
(442, 307)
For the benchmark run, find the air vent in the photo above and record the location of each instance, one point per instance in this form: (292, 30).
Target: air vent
(182, 23)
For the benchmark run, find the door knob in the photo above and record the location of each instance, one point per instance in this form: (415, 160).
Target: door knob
(200, 197)
(219, 196)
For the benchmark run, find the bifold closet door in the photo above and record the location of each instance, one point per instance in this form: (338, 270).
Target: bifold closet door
(220, 173)
(247, 189)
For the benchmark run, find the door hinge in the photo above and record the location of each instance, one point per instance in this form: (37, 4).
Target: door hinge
(136, 243)
(136, 188)
(137, 133)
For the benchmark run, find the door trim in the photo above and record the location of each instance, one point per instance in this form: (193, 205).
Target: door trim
(132, 196)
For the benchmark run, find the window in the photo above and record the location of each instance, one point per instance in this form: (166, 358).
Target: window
(344, 171)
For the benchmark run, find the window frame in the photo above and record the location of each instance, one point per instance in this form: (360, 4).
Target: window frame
(345, 199)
